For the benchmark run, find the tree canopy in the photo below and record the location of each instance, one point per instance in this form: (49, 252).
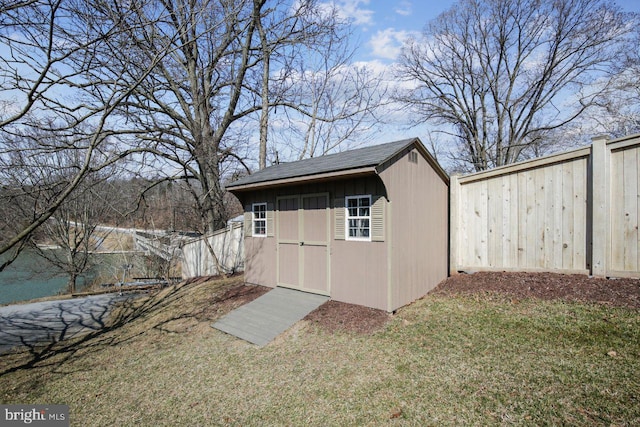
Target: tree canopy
(174, 89)
(499, 76)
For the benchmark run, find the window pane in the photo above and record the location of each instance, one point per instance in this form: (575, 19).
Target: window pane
(358, 217)
(260, 227)
(260, 219)
(260, 211)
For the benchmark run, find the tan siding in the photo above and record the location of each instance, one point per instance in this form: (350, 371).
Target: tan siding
(359, 273)
(419, 229)
(260, 261)
(357, 270)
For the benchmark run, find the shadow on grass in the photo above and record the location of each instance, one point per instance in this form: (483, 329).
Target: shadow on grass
(64, 328)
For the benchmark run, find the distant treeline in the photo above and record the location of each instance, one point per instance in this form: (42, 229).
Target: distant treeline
(166, 205)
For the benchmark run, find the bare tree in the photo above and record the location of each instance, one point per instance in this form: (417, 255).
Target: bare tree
(51, 78)
(72, 232)
(499, 75)
(619, 112)
(196, 110)
(183, 111)
(311, 92)
(33, 177)
(329, 102)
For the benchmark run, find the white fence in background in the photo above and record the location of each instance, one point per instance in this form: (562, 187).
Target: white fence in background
(227, 245)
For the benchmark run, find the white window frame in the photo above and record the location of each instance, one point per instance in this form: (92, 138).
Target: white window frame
(348, 217)
(255, 220)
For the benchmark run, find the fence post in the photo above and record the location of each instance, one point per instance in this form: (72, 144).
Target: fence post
(600, 226)
(454, 223)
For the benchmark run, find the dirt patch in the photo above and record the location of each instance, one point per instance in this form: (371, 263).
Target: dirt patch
(547, 286)
(335, 316)
(240, 295)
(222, 303)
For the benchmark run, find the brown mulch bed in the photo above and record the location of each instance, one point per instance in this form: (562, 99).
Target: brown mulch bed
(339, 316)
(547, 286)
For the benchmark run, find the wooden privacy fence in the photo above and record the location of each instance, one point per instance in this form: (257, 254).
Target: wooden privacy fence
(227, 244)
(574, 212)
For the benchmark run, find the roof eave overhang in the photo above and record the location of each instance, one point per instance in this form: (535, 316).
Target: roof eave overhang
(328, 176)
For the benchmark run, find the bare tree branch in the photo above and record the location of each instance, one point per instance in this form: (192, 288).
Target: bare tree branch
(502, 74)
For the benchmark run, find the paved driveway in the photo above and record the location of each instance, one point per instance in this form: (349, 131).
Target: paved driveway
(45, 322)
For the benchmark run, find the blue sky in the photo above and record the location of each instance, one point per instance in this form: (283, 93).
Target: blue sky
(381, 26)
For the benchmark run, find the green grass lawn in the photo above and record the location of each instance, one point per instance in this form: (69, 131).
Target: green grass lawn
(441, 361)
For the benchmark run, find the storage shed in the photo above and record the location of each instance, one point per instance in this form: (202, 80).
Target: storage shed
(366, 226)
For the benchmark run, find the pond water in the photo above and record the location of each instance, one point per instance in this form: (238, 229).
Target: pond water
(29, 276)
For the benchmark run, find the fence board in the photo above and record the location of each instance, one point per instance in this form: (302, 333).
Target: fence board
(494, 225)
(228, 246)
(625, 255)
(478, 223)
(523, 217)
(579, 208)
(526, 217)
(567, 215)
(631, 211)
(536, 257)
(617, 207)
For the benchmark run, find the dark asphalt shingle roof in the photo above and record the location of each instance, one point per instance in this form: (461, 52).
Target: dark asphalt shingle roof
(352, 159)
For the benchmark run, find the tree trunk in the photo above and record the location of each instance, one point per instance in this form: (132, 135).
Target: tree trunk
(266, 59)
(71, 286)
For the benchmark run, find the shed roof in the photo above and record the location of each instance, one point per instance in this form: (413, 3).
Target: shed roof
(357, 159)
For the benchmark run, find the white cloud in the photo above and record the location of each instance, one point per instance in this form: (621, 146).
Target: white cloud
(387, 43)
(404, 8)
(355, 11)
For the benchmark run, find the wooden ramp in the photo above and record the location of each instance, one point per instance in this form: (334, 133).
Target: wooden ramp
(266, 317)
